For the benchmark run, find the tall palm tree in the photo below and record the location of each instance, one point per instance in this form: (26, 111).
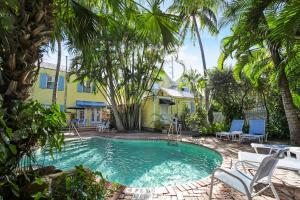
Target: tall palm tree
(256, 26)
(196, 15)
(57, 70)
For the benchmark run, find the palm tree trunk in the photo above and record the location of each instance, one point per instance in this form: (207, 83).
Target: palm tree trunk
(290, 110)
(203, 61)
(114, 106)
(57, 71)
(288, 104)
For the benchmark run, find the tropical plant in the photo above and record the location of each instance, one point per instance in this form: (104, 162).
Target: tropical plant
(213, 128)
(262, 25)
(124, 62)
(193, 80)
(32, 125)
(232, 97)
(196, 15)
(83, 184)
(196, 120)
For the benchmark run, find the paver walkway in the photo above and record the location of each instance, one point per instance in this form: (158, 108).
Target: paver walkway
(287, 183)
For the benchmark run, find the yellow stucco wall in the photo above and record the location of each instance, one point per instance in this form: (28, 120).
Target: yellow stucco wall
(44, 95)
(151, 112)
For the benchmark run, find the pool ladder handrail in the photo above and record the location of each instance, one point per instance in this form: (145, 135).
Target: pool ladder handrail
(177, 131)
(73, 126)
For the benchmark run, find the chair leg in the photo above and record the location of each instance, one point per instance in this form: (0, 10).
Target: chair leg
(274, 191)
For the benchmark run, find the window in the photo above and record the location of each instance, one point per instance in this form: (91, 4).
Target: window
(96, 115)
(87, 87)
(81, 114)
(50, 82)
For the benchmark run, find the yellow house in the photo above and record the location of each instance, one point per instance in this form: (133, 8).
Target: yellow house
(166, 101)
(81, 101)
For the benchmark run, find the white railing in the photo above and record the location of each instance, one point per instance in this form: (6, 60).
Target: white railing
(74, 127)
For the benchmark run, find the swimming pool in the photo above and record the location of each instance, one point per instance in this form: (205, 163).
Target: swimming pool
(137, 163)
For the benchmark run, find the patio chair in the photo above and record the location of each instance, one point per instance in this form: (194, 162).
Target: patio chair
(103, 126)
(257, 130)
(244, 182)
(99, 127)
(236, 129)
(271, 147)
(287, 162)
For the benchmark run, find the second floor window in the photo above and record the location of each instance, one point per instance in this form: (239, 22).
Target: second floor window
(50, 82)
(87, 87)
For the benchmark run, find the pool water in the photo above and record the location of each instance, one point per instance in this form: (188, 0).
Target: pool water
(137, 163)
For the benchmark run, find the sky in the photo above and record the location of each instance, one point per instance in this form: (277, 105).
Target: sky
(188, 53)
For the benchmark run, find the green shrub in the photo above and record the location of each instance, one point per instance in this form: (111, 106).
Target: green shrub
(196, 120)
(83, 185)
(26, 125)
(213, 128)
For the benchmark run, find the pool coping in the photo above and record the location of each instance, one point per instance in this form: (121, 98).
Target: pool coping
(190, 185)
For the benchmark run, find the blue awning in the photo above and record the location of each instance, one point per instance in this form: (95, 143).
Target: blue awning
(90, 104)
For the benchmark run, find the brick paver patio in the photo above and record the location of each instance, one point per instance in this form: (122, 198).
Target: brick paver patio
(287, 183)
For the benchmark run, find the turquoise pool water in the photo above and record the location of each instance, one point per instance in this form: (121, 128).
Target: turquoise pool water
(137, 163)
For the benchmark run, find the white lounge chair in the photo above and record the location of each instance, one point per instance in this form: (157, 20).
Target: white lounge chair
(244, 182)
(271, 147)
(255, 158)
(236, 129)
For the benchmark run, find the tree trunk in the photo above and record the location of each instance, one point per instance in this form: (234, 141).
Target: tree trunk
(203, 60)
(290, 110)
(23, 49)
(114, 106)
(288, 104)
(57, 71)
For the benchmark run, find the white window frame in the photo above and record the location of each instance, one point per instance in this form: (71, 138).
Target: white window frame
(87, 87)
(79, 114)
(96, 115)
(50, 82)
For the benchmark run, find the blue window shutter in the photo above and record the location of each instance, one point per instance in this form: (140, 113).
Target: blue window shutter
(61, 83)
(79, 87)
(43, 80)
(61, 107)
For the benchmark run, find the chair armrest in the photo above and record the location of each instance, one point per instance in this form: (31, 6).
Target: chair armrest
(234, 176)
(242, 162)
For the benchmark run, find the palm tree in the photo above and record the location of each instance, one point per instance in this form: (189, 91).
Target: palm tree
(195, 13)
(26, 27)
(121, 59)
(57, 71)
(256, 26)
(196, 83)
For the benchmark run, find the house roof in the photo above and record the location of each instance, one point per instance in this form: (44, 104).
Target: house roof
(52, 66)
(176, 93)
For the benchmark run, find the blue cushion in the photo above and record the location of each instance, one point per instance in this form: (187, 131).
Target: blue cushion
(257, 126)
(236, 125)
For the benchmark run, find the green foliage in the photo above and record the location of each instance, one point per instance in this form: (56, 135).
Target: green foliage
(83, 185)
(29, 124)
(230, 95)
(277, 126)
(196, 120)
(211, 129)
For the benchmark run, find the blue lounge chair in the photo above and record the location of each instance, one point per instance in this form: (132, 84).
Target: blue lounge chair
(236, 129)
(257, 130)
